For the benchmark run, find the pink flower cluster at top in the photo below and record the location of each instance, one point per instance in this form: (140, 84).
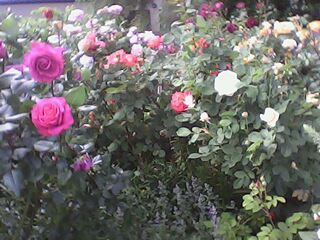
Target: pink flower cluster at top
(178, 101)
(207, 11)
(120, 57)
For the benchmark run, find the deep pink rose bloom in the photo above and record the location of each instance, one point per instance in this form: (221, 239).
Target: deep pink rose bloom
(230, 27)
(218, 6)
(52, 116)
(3, 51)
(45, 62)
(251, 22)
(83, 164)
(178, 104)
(240, 5)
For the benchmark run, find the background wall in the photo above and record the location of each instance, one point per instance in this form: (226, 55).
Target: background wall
(25, 9)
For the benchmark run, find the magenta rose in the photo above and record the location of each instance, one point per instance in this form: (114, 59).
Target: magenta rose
(45, 62)
(52, 116)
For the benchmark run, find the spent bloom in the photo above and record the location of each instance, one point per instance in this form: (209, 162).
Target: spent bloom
(270, 116)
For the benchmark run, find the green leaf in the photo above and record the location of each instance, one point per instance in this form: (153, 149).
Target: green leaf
(201, 23)
(194, 156)
(13, 181)
(113, 90)
(77, 96)
(10, 26)
(308, 235)
(8, 127)
(225, 122)
(183, 132)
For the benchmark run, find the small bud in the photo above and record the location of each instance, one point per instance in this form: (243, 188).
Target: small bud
(58, 25)
(47, 13)
(245, 114)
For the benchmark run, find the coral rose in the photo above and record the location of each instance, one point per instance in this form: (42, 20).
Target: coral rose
(155, 43)
(52, 116)
(45, 62)
(181, 101)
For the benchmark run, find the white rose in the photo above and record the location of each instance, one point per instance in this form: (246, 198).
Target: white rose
(71, 29)
(86, 62)
(204, 117)
(286, 27)
(189, 101)
(270, 116)
(226, 83)
(76, 15)
(318, 234)
(289, 44)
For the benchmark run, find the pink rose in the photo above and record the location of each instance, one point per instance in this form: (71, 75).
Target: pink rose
(90, 43)
(52, 116)
(3, 50)
(240, 5)
(115, 10)
(179, 102)
(230, 27)
(45, 62)
(155, 43)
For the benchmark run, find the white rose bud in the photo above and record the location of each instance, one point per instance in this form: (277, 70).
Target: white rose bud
(270, 116)
(204, 117)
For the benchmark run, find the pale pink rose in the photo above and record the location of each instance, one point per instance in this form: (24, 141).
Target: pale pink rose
(137, 50)
(90, 43)
(76, 15)
(115, 10)
(52, 116)
(45, 62)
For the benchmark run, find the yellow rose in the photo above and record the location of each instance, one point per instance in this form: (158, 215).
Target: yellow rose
(314, 26)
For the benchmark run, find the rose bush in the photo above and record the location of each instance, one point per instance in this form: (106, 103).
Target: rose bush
(234, 106)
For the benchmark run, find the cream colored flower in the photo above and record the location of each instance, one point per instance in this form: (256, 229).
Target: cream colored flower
(249, 58)
(226, 83)
(277, 67)
(204, 117)
(314, 26)
(270, 116)
(283, 28)
(313, 98)
(289, 44)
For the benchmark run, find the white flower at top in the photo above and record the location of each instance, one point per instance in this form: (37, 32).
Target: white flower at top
(226, 83)
(270, 116)
(318, 233)
(76, 15)
(289, 44)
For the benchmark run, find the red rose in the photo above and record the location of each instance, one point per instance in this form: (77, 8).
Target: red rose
(251, 22)
(47, 13)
